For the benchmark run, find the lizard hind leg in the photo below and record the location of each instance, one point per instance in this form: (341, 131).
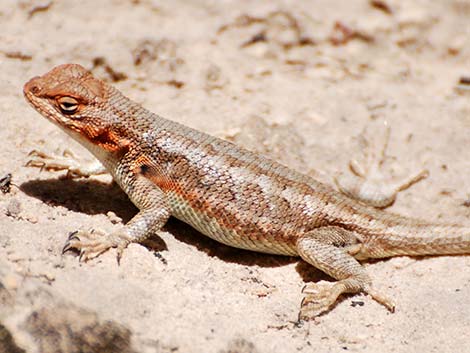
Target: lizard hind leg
(331, 249)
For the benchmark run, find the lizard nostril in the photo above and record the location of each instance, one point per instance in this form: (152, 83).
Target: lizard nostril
(32, 86)
(34, 89)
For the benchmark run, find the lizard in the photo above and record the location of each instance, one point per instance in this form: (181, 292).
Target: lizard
(234, 196)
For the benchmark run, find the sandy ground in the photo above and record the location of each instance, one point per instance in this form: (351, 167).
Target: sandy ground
(296, 80)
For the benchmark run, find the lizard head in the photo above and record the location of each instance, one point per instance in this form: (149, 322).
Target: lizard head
(72, 98)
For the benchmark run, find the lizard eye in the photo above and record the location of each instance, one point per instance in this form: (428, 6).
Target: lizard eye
(68, 105)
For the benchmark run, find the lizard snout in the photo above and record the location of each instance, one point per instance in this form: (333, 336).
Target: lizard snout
(32, 86)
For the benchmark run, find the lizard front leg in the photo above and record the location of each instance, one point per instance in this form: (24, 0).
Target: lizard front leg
(68, 161)
(154, 213)
(331, 249)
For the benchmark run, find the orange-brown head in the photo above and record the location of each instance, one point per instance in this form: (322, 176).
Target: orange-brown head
(72, 98)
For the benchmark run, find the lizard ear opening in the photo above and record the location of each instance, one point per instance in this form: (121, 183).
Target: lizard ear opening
(67, 105)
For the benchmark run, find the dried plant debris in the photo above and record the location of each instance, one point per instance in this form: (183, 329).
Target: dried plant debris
(16, 54)
(279, 27)
(464, 83)
(342, 34)
(159, 58)
(113, 75)
(464, 80)
(382, 6)
(39, 7)
(163, 52)
(33, 7)
(214, 79)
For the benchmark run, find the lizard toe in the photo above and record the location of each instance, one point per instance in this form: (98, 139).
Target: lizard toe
(319, 298)
(93, 243)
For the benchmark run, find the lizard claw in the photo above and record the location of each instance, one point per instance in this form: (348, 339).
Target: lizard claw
(73, 236)
(66, 248)
(67, 245)
(91, 244)
(120, 251)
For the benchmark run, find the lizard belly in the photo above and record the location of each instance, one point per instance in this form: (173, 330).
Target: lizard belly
(236, 237)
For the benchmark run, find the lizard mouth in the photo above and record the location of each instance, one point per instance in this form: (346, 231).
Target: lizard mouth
(34, 102)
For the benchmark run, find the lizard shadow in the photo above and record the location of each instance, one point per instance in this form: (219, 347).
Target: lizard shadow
(91, 196)
(87, 196)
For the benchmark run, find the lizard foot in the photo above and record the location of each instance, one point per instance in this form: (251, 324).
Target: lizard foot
(321, 297)
(67, 162)
(318, 299)
(93, 243)
(367, 182)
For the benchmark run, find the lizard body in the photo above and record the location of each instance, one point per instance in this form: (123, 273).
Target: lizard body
(232, 195)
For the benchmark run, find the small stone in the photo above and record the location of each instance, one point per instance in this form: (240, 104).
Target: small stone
(10, 282)
(49, 276)
(13, 208)
(32, 219)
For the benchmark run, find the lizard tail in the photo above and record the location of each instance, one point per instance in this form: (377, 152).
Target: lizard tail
(428, 240)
